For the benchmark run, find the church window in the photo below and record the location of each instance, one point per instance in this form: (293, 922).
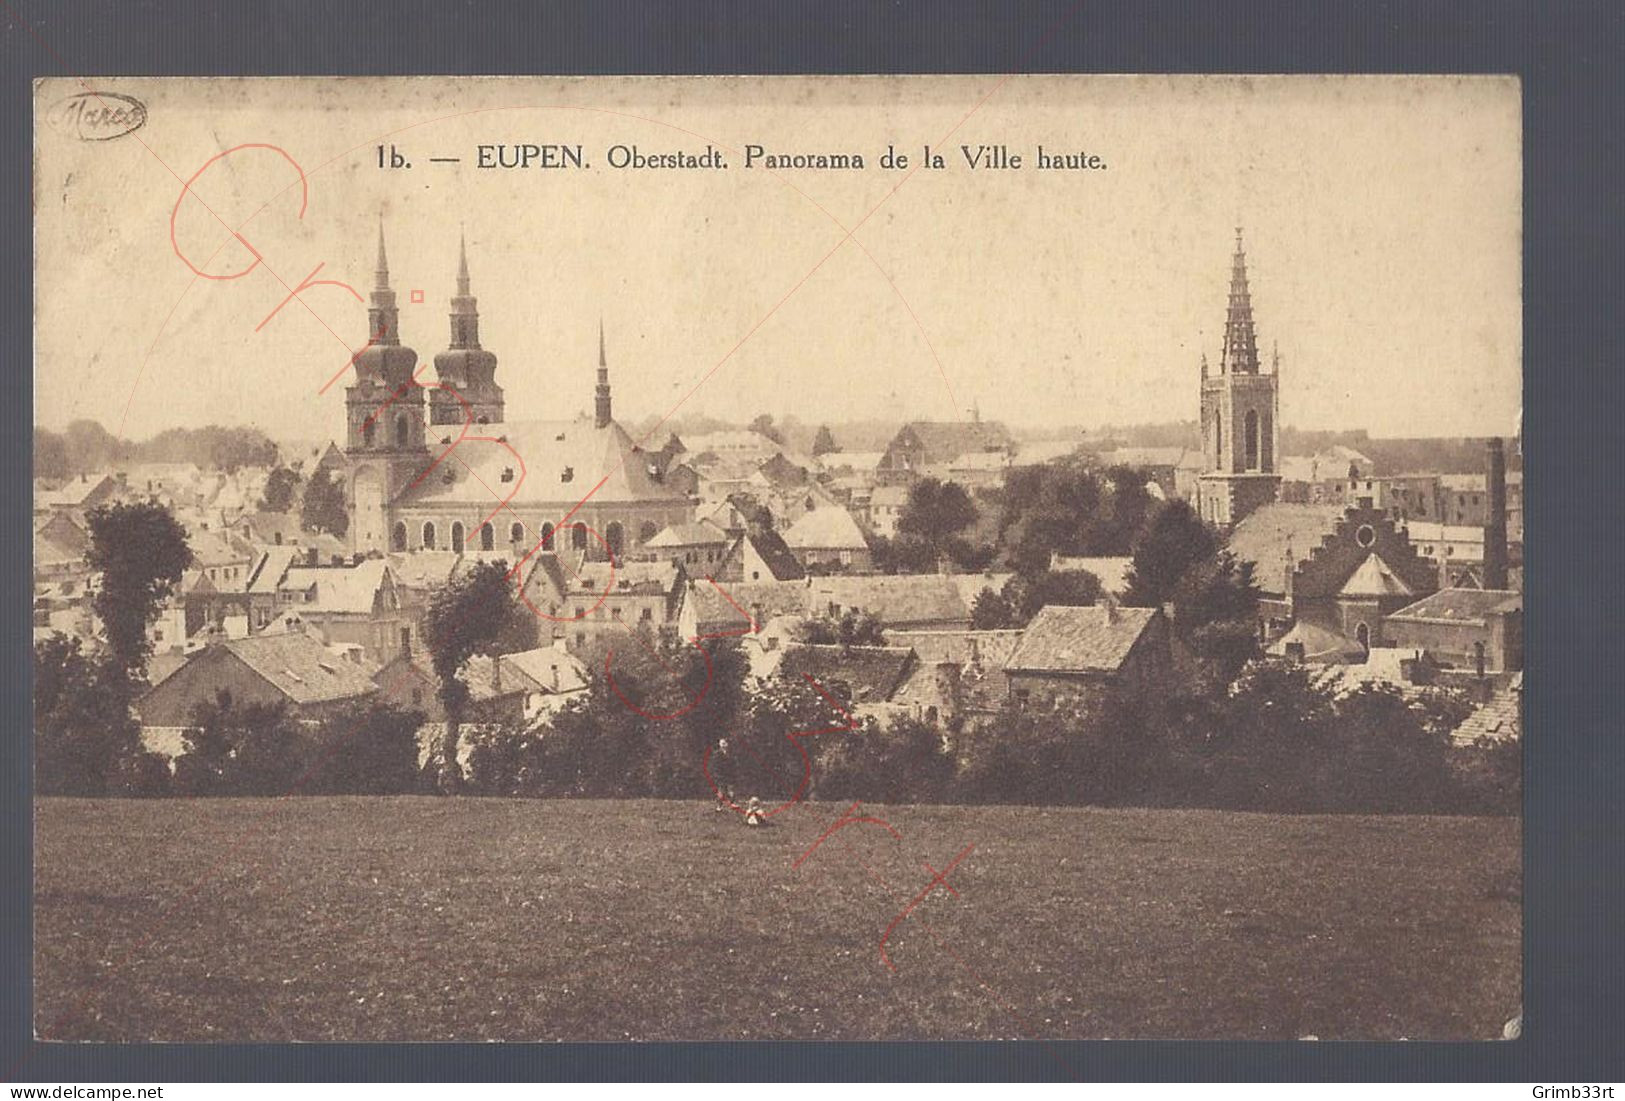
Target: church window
(615, 536)
(1365, 535)
(402, 430)
(397, 540)
(547, 537)
(1362, 635)
(368, 431)
(488, 537)
(428, 536)
(1250, 439)
(646, 531)
(517, 532)
(457, 537)
(578, 536)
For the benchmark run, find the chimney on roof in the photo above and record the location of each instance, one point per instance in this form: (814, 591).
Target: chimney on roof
(496, 672)
(1495, 523)
(1109, 602)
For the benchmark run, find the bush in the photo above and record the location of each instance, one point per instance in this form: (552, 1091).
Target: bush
(367, 749)
(256, 749)
(85, 740)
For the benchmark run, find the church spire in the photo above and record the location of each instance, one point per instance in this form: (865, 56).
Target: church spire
(381, 270)
(601, 406)
(1240, 355)
(383, 319)
(465, 314)
(462, 263)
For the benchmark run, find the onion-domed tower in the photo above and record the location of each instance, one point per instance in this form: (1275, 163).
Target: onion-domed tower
(385, 412)
(465, 368)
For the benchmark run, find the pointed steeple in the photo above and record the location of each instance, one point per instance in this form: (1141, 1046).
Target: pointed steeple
(383, 319)
(381, 271)
(1240, 356)
(601, 404)
(465, 313)
(462, 262)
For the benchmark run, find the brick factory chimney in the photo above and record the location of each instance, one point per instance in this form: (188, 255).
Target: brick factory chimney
(1495, 523)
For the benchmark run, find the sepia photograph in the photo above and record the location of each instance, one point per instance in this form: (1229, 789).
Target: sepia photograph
(815, 558)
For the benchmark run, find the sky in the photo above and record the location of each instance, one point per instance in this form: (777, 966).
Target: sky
(1381, 218)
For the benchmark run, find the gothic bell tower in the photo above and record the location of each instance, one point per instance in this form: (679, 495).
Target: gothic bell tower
(1240, 415)
(385, 415)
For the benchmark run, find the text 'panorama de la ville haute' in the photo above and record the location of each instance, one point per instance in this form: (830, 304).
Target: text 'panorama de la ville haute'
(543, 155)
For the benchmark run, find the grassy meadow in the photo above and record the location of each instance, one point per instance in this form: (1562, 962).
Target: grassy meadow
(323, 919)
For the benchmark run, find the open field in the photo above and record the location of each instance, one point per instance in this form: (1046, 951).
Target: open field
(470, 919)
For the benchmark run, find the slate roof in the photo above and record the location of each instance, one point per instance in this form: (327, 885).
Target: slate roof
(781, 562)
(897, 600)
(1093, 639)
(1462, 605)
(302, 668)
(1264, 536)
(1373, 577)
(1319, 644)
(947, 440)
(350, 589)
(872, 674)
(550, 667)
(827, 528)
(547, 452)
(697, 534)
(713, 611)
(1500, 717)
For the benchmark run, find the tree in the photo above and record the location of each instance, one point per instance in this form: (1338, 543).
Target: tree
(853, 628)
(762, 425)
(936, 511)
(1027, 593)
(1172, 541)
(253, 749)
(85, 740)
(140, 551)
(1051, 509)
(280, 487)
(474, 612)
(823, 442)
(368, 748)
(51, 456)
(324, 507)
(1216, 613)
(990, 611)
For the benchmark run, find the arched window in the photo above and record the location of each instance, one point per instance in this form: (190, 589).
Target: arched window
(402, 430)
(369, 430)
(1251, 438)
(1218, 440)
(457, 537)
(615, 536)
(488, 537)
(428, 536)
(1478, 657)
(397, 539)
(647, 531)
(547, 537)
(517, 532)
(578, 536)
(1362, 635)
(1266, 443)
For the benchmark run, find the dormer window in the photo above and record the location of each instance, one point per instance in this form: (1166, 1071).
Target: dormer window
(507, 474)
(568, 474)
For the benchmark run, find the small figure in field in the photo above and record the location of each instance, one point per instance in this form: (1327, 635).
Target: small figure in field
(754, 815)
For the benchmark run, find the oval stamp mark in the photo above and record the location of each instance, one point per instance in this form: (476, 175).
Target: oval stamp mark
(98, 116)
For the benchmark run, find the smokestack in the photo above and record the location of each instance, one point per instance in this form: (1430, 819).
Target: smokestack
(1495, 523)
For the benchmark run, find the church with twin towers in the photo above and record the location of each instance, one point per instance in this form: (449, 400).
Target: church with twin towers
(435, 465)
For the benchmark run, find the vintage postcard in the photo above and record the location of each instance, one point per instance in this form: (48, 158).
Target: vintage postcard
(676, 559)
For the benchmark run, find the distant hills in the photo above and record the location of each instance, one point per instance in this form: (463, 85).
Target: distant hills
(85, 447)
